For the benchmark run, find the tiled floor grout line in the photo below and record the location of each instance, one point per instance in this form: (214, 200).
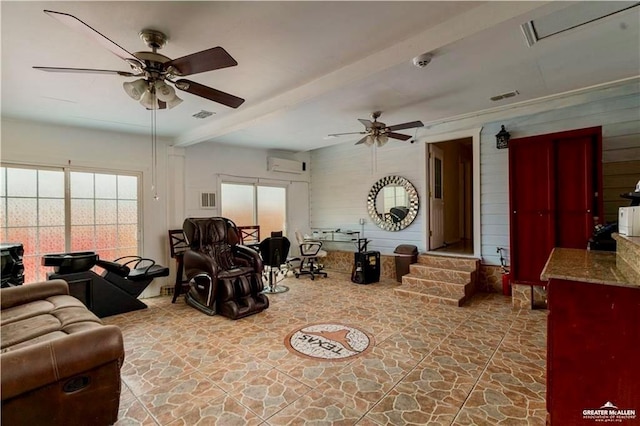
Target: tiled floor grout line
(414, 368)
(483, 370)
(144, 407)
(426, 327)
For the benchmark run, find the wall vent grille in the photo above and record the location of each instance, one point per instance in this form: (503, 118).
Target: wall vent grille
(505, 95)
(207, 200)
(203, 114)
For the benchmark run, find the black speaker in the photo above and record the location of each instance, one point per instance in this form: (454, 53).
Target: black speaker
(366, 267)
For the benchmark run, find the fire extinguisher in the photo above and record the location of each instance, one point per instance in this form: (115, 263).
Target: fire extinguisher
(506, 277)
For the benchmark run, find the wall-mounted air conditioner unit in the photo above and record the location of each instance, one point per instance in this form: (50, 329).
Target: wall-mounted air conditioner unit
(286, 166)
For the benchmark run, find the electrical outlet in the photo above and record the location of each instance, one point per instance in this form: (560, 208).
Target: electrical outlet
(362, 221)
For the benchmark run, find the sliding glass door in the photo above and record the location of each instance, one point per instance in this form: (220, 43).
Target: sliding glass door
(253, 204)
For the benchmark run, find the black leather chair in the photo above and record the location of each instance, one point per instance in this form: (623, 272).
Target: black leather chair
(225, 277)
(274, 252)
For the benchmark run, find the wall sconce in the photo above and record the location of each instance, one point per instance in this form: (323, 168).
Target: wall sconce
(502, 139)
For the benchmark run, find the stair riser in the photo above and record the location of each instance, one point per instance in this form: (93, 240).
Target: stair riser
(445, 262)
(445, 275)
(426, 298)
(421, 285)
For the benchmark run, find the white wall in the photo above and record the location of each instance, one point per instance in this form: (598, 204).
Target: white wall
(343, 174)
(40, 144)
(208, 165)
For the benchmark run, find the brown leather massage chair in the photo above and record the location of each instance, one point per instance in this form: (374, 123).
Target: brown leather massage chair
(225, 277)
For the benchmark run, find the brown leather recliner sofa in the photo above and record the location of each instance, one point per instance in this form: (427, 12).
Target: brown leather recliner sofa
(226, 277)
(60, 364)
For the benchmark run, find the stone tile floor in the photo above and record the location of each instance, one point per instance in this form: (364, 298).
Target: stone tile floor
(432, 364)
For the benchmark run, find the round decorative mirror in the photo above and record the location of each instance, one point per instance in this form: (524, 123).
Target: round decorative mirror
(393, 203)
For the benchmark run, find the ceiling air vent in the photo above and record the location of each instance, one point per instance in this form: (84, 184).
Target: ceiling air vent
(203, 114)
(505, 95)
(572, 17)
(207, 200)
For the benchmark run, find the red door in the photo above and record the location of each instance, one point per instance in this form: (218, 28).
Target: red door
(531, 170)
(554, 182)
(574, 191)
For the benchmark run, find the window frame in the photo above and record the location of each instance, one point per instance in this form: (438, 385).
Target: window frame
(67, 170)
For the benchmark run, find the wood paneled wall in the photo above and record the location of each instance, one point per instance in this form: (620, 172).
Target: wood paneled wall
(341, 175)
(620, 120)
(617, 178)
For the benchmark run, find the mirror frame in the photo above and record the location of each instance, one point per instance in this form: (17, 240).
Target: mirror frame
(414, 203)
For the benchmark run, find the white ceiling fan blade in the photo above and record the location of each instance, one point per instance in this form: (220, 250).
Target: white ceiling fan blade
(367, 123)
(84, 28)
(350, 133)
(363, 140)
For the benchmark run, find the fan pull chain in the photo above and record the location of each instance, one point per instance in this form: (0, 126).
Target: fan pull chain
(154, 145)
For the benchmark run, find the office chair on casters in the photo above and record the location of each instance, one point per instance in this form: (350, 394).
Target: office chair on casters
(274, 251)
(310, 254)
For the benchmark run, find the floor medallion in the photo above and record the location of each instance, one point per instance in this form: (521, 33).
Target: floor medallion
(329, 341)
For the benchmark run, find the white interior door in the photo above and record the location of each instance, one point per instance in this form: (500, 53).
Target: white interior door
(436, 197)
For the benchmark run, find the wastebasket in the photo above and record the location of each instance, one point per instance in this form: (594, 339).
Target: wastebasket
(406, 254)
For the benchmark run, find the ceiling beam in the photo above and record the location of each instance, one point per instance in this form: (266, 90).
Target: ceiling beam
(477, 19)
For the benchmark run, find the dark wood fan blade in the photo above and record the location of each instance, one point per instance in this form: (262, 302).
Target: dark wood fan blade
(86, 71)
(409, 125)
(207, 60)
(77, 25)
(350, 133)
(367, 123)
(398, 136)
(209, 93)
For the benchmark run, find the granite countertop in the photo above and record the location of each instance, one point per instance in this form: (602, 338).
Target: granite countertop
(585, 265)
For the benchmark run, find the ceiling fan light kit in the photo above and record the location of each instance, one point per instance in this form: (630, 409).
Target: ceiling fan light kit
(379, 133)
(154, 69)
(135, 89)
(148, 100)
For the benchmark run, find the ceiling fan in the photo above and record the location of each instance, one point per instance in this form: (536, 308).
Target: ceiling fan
(154, 69)
(378, 132)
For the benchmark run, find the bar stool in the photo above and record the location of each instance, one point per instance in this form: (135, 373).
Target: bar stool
(178, 245)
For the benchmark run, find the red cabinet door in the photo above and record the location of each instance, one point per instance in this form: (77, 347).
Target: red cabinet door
(592, 351)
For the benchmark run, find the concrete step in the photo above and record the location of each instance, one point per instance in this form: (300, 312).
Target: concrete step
(468, 264)
(440, 274)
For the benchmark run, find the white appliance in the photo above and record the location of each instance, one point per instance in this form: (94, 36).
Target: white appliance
(629, 221)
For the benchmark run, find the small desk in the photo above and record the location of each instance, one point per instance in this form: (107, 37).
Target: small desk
(341, 237)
